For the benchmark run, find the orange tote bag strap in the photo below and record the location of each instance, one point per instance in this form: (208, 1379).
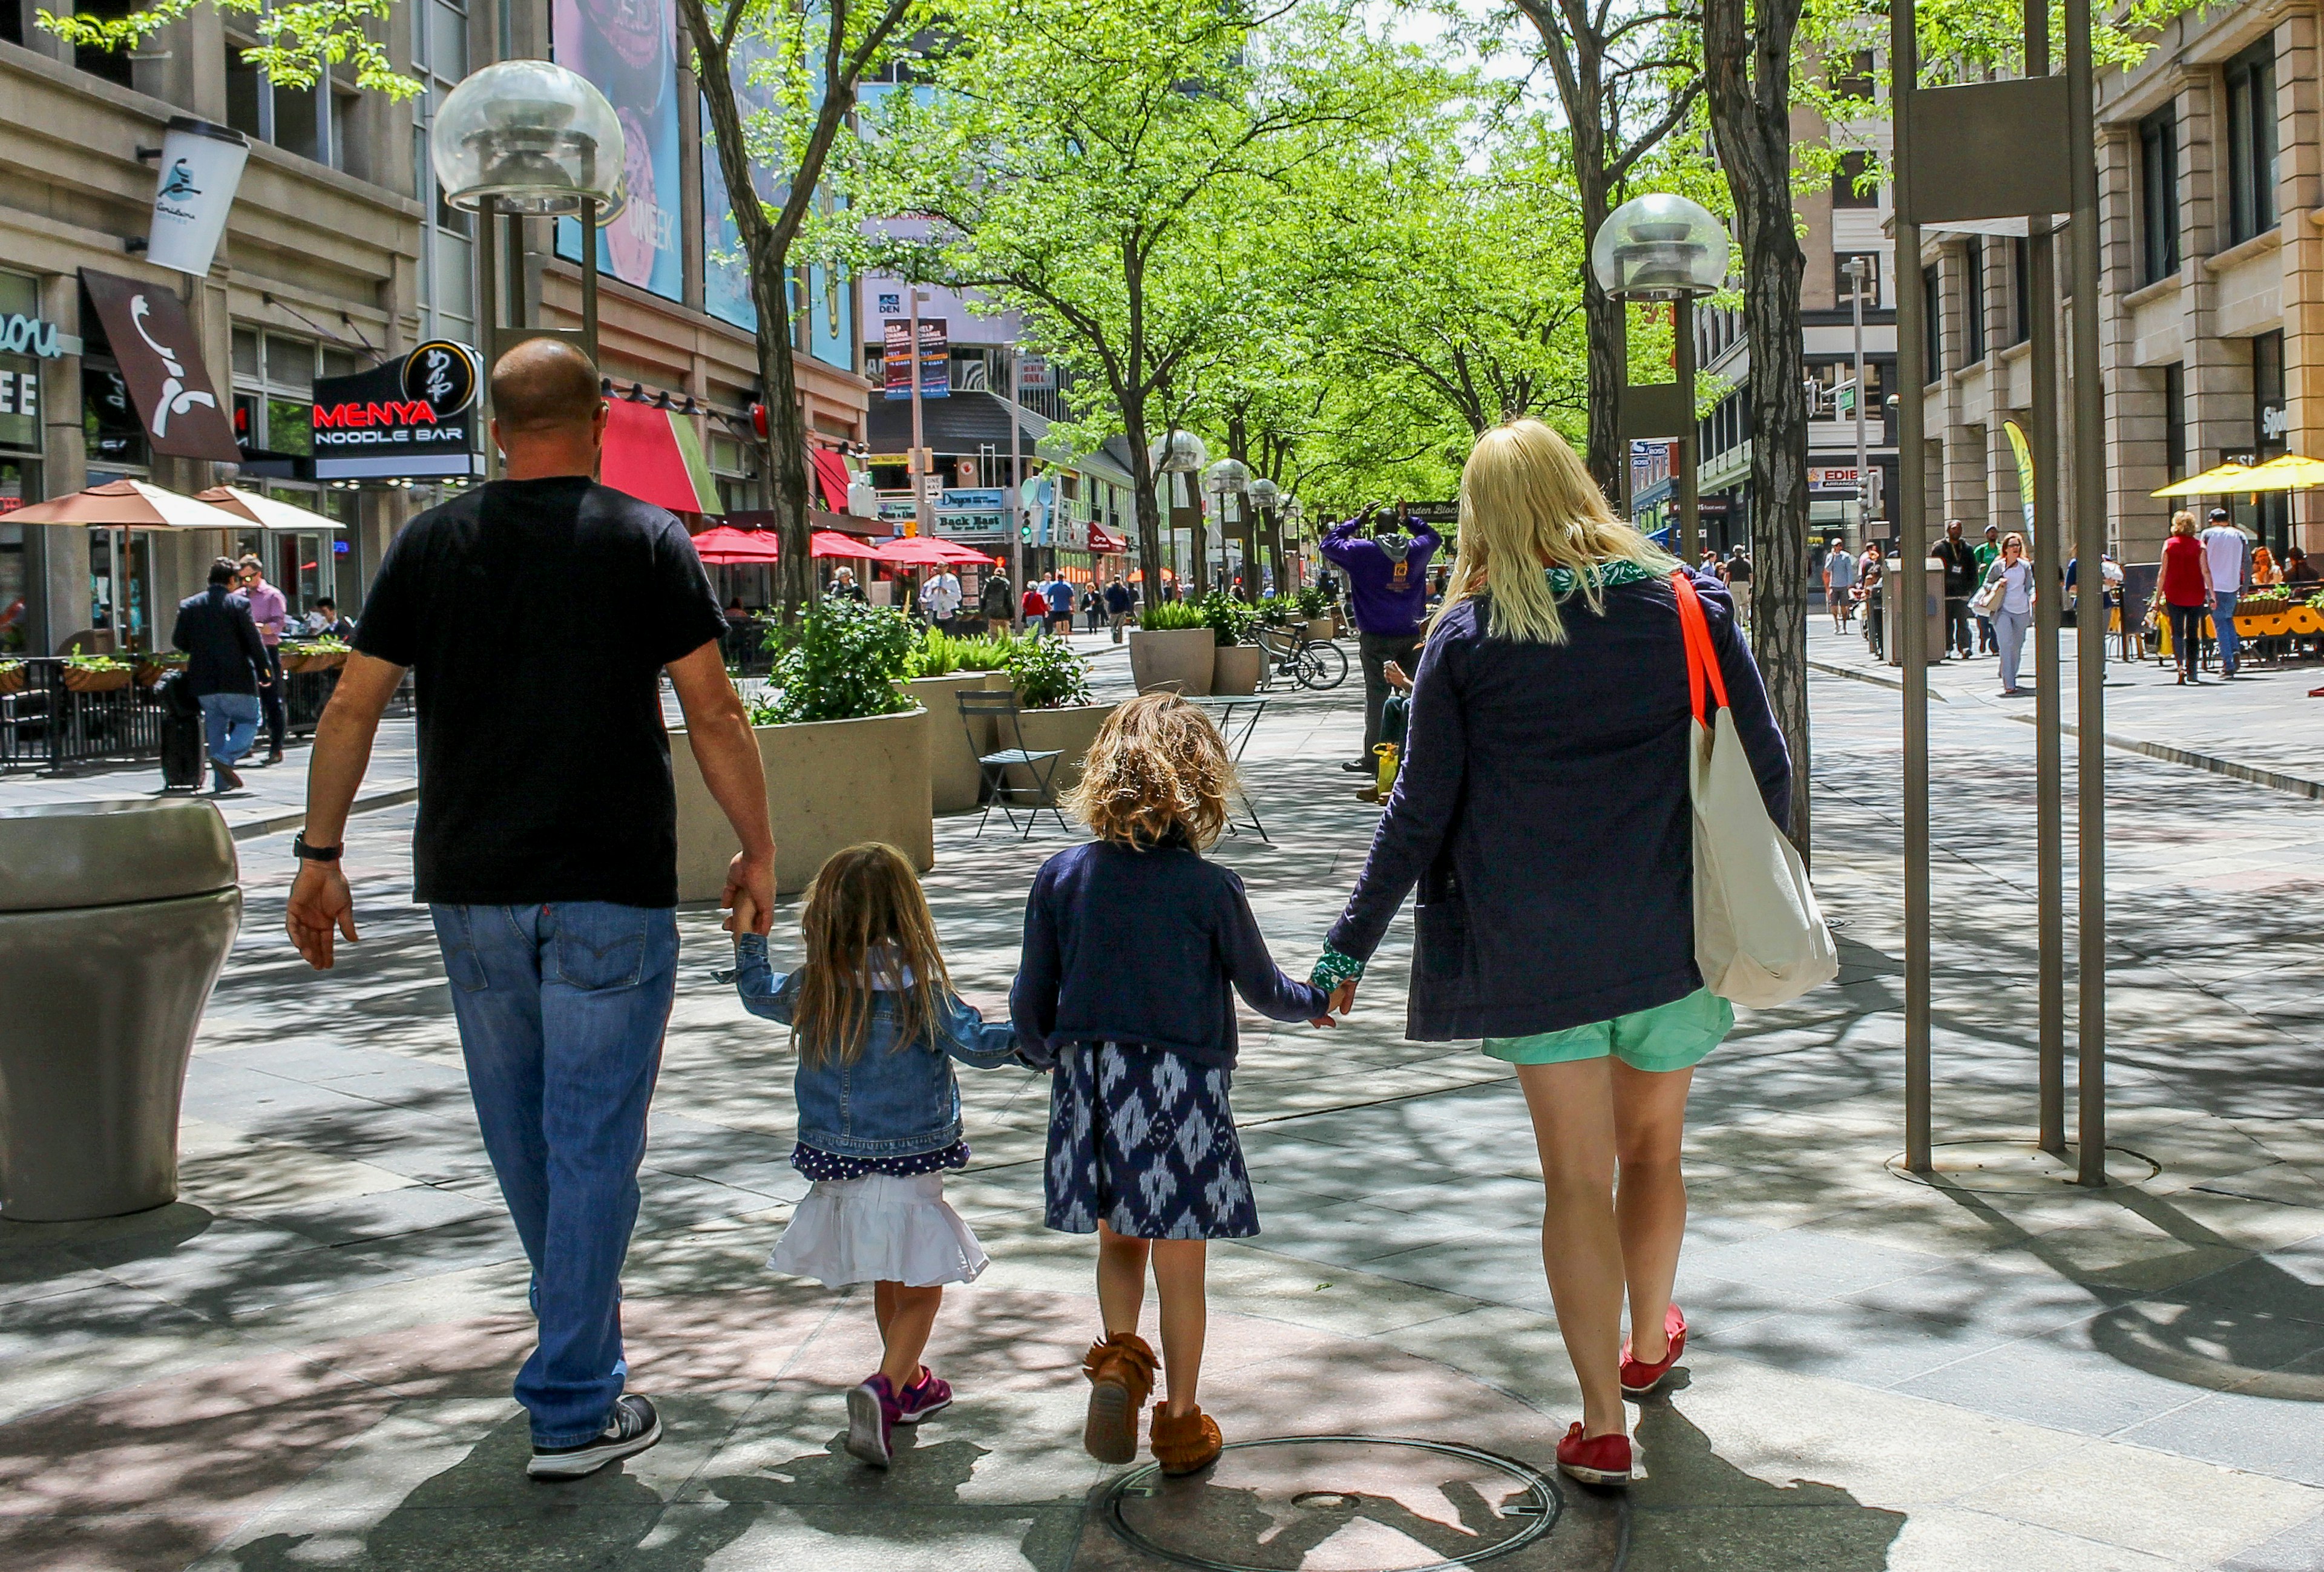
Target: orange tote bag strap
(1701, 660)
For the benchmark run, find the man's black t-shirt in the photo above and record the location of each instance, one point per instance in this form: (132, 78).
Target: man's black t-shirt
(537, 615)
(1960, 565)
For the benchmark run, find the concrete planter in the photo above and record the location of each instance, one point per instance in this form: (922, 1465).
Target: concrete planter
(1235, 668)
(830, 784)
(952, 773)
(1070, 731)
(1177, 658)
(1322, 627)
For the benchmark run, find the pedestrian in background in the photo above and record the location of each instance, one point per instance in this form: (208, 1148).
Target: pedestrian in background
(227, 667)
(845, 588)
(1960, 582)
(1544, 811)
(1736, 573)
(1387, 579)
(2013, 609)
(1988, 552)
(545, 844)
(1839, 585)
(1036, 611)
(2186, 590)
(997, 598)
(1135, 946)
(1117, 606)
(2224, 547)
(272, 614)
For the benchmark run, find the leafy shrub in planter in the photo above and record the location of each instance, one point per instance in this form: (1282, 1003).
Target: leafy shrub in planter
(1165, 615)
(940, 654)
(1046, 674)
(1314, 603)
(845, 666)
(95, 663)
(1228, 618)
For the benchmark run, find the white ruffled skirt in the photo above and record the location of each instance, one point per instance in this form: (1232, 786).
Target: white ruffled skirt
(879, 1228)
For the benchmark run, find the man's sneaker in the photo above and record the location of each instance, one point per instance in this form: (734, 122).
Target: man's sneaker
(930, 1393)
(1360, 766)
(632, 1428)
(871, 1422)
(1639, 1378)
(1598, 1460)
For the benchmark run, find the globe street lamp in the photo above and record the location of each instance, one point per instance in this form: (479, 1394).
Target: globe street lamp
(1228, 478)
(528, 138)
(1264, 496)
(1664, 247)
(1173, 454)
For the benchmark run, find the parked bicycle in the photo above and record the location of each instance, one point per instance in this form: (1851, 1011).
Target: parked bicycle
(1317, 664)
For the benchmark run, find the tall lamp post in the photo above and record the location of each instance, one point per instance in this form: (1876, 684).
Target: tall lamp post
(1229, 478)
(1265, 495)
(522, 139)
(1664, 247)
(1173, 454)
(1857, 269)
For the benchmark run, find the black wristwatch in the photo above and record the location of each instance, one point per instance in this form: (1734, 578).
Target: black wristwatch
(306, 854)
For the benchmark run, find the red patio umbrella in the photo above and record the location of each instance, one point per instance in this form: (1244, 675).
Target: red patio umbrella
(831, 544)
(913, 552)
(727, 547)
(955, 552)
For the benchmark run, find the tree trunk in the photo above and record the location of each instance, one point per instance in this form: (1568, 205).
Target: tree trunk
(787, 459)
(1142, 478)
(1750, 121)
(1610, 370)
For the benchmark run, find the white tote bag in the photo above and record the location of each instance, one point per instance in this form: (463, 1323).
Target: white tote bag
(1759, 937)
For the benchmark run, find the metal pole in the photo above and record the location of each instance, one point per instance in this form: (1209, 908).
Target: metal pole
(589, 278)
(1690, 501)
(2089, 627)
(488, 315)
(1015, 485)
(2049, 694)
(920, 521)
(1863, 466)
(1907, 609)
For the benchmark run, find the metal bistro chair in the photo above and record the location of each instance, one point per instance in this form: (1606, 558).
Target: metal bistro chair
(1001, 710)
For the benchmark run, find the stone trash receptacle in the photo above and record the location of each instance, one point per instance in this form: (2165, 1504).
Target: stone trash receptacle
(115, 919)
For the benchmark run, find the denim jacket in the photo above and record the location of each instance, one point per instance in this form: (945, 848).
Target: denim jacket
(892, 1101)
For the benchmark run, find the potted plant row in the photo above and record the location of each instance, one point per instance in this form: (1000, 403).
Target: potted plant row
(97, 674)
(318, 654)
(12, 676)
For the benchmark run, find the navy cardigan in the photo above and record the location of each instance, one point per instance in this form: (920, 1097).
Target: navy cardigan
(1542, 809)
(1130, 946)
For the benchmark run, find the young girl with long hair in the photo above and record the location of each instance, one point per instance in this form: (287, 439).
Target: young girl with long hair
(1132, 944)
(876, 1026)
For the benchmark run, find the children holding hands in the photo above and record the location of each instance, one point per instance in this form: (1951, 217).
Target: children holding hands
(1132, 943)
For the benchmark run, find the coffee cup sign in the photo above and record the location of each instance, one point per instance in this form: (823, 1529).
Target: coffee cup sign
(201, 169)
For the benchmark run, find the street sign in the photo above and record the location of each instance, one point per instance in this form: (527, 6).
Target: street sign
(1843, 399)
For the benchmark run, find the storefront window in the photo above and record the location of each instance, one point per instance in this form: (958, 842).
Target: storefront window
(111, 433)
(121, 585)
(16, 580)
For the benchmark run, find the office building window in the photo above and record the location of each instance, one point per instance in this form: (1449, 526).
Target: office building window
(1850, 187)
(2158, 197)
(1933, 323)
(1844, 286)
(2174, 422)
(113, 64)
(310, 122)
(1973, 300)
(2251, 141)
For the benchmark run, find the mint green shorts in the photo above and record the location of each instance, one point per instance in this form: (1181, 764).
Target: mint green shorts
(1668, 1037)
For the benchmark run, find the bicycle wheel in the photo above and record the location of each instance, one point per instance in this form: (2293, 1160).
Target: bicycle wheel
(1322, 665)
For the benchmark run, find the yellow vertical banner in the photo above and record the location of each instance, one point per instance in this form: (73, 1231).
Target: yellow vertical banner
(2025, 451)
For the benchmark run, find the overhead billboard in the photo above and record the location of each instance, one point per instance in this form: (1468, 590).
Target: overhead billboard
(628, 50)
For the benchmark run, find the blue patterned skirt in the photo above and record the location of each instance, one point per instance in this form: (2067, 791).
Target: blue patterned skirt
(1142, 1140)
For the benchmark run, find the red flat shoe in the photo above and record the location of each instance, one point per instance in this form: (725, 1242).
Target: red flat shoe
(1598, 1460)
(1639, 1378)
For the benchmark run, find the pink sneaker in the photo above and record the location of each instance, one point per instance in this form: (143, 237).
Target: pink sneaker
(1639, 1378)
(929, 1395)
(871, 1413)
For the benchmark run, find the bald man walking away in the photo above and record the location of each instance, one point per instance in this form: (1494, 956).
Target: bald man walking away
(546, 846)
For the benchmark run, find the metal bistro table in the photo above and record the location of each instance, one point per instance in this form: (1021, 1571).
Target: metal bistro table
(1237, 716)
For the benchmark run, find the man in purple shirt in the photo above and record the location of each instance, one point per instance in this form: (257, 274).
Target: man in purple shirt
(269, 612)
(1387, 581)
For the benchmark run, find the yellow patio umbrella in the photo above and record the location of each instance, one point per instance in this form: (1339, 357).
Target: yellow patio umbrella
(2218, 482)
(2292, 472)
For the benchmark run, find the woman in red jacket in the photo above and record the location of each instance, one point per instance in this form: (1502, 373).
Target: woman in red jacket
(2186, 591)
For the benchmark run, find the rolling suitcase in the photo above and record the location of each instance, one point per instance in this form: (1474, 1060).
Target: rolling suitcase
(181, 737)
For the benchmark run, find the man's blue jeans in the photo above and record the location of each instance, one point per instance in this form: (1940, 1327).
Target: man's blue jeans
(561, 1011)
(229, 724)
(2223, 624)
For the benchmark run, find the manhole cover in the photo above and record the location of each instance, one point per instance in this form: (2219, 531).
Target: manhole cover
(2018, 1168)
(1336, 1503)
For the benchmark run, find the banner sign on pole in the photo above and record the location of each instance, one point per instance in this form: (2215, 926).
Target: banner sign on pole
(935, 360)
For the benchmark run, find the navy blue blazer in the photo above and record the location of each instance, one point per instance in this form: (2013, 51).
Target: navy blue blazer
(1542, 809)
(1130, 946)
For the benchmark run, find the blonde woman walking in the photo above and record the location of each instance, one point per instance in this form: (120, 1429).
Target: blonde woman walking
(1543, 812)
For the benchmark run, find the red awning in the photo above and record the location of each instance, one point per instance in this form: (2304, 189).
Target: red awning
(645, 456)
(1105, 542)
(832, 470)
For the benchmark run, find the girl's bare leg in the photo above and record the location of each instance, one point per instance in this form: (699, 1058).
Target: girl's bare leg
(1121, 1279)
(904, 1330)
(1178, 1265)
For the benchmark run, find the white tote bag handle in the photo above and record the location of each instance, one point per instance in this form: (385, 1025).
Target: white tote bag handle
(1759, 937)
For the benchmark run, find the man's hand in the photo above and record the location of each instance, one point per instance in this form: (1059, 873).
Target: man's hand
(321, 902)
(749, 893)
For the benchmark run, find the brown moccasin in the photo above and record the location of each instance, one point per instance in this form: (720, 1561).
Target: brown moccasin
(1187, 1443)
(1120, 1372)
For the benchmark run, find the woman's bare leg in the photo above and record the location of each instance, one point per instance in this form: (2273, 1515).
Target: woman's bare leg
(1573, 1110)
(1650, 1204)
(1178, 1265)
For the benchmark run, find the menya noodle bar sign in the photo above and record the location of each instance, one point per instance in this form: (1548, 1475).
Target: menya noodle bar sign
(412, 418)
